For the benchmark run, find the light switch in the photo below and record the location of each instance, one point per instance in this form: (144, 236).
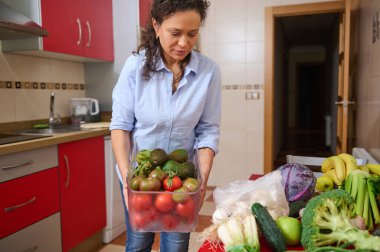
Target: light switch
(252, 95)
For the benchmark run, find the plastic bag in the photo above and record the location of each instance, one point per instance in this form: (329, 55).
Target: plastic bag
(237, 197)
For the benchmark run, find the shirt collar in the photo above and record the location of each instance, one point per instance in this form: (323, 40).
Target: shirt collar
(191, 67)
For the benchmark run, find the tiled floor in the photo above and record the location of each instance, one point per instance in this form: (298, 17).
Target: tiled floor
(204, 220)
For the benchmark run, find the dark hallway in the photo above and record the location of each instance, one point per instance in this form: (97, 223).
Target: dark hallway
(307, 83)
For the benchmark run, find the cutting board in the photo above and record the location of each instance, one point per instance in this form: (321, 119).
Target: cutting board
(95, 125)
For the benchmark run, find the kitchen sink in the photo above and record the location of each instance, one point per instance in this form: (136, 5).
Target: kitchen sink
(7, 138)
(31, 134)
(50, 131)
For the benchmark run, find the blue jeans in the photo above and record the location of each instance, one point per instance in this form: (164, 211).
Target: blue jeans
(143, 241)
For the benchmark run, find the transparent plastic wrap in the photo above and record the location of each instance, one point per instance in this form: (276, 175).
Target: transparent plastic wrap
(237, 197)
(156, 211)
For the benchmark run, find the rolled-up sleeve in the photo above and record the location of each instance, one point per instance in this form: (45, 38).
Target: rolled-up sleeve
(208, 128)
(123, 101)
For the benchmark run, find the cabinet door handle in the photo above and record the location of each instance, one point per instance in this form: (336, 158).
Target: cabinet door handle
(32, 249)
(80, 31)
(89, 33)
(17, 165)
(12, 208)
(68, 170)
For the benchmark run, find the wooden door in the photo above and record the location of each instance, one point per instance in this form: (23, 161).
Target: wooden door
(270, 14)
(346, 76)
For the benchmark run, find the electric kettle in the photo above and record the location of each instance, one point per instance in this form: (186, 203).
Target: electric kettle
(84, 110)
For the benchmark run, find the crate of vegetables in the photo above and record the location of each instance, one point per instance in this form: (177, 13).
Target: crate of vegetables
(164, 186)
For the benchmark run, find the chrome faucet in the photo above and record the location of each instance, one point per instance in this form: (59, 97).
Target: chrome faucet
(52, 120)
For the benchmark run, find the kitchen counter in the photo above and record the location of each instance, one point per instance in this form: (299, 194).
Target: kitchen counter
(52, 140)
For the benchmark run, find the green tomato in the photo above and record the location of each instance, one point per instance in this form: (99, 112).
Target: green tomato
(150, 184)
(191, 184)
(291, 229)
(135, 182)
(158, 173)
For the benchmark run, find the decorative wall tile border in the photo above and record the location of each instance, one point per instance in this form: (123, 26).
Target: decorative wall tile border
(244, 87)
(41, 85)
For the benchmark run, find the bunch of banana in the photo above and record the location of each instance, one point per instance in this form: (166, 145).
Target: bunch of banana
(373, 168)
(339, 167)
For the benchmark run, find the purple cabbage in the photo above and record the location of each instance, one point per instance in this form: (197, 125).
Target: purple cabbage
(298, 181)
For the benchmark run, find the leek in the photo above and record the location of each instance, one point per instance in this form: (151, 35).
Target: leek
(239, 236)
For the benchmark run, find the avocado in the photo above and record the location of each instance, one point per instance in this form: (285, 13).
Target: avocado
(158, 157)
(179, 155)
(189, 169)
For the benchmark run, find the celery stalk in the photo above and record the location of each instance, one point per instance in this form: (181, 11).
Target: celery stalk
(366, 209)
(348, 183)
(370, 223)
(354, 185)
(362, 188)
(372, 183)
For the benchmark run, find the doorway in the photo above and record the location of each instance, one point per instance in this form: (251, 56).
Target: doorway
(300, 111)
(306, 80)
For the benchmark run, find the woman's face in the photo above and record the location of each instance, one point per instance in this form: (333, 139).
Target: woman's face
(178, 34)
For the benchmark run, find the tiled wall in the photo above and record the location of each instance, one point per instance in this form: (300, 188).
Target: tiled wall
(26, 83)
(368, 83)
(233, 36)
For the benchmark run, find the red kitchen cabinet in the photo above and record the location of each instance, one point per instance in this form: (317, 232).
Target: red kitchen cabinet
(99, 37)
(79, 27)
(27, 200)
(82, 187)
(144, 11)
(63, 21)
(79, 30)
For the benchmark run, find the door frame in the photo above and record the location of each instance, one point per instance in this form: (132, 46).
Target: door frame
(271, 13)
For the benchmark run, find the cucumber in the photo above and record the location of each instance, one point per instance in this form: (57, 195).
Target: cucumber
(268, 227)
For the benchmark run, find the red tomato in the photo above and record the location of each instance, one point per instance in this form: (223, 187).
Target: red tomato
(153, 214)
(164, 202)
(169, 221)
(172, 184)
(141, 202)
(139, 220)
(185, 209)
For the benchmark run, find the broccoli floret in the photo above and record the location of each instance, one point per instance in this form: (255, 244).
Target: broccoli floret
(326, 221)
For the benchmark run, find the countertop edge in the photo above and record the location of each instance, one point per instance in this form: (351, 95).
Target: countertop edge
(53, 140)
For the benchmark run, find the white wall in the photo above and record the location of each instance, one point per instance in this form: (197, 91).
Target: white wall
(367, 83)
(234, 37)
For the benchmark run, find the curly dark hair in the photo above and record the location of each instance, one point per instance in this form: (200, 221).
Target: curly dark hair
(162, 9)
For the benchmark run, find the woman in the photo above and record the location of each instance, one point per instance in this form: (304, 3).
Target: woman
(167, 90)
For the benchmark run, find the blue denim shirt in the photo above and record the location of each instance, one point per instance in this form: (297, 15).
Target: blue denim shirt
(148, 109)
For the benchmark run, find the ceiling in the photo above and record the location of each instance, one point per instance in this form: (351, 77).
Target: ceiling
(309, 30)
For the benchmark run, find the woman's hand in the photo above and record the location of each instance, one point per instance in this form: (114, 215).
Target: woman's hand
(121, 144)
(203, 195)
(206, 157)
(125, 192)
